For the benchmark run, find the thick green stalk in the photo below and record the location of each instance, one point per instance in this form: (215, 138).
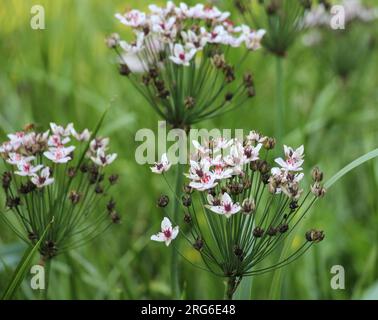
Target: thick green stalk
(280, 99)
(230, 287)
(175, 215)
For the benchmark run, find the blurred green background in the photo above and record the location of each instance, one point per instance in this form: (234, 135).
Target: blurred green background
(65, 73)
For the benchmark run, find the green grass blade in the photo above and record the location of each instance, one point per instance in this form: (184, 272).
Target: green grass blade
(22, 268)
(354, 164)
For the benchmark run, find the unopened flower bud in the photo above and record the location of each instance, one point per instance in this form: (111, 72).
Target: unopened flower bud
(229, 96)
(318, 190)
(112, 41)
(124, 70)
(187, 218)
(163, 201)
(219, 61)
(99, 189)
(189, 102)
(198, 244)
(317, 175)
(186, 200)
(251, 92)
(6, 180)
(293, 205)
(248, 206)
(113, 179)
(315, 235)
(116, 219)
(111, 205)
(71, 172)
(272, 231)
(258, 232)
(74, 197)
(269, 143)
(283, 228)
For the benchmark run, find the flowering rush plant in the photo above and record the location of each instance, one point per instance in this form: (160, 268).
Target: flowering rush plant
(59, 175)
(282, 19)
(239, 205)
(178, 60)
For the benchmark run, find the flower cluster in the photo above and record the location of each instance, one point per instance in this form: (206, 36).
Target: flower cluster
(281, 18)
(57, 175)
(354, 10)
(178, 59)
(333, 43)
(246, 204)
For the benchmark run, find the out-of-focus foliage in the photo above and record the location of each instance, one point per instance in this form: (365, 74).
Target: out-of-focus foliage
(65, 73)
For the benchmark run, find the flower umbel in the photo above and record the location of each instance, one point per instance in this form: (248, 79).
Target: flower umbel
(178, 60)
(239, 207)
(57, 175)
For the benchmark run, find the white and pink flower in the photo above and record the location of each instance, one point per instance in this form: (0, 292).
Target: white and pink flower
(293, 159)
(182, 55)
(167, 233)
(227, 207)
(43, 179)
(163, 166)
(59, 155)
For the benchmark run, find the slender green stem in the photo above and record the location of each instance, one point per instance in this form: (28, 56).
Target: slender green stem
(280, 99)
(175, 215)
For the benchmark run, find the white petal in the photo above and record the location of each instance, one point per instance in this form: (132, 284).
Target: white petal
(166, 224)
(159, 237)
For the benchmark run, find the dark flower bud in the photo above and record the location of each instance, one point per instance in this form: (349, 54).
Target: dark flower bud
(229, 96)
(198, 244)
(32, 236)
(306, 4)
(317, 175)
(219, 61)
(265, 178)
(229, 73)
(188, 189)
(27, 188)
(163, 201)
(84, 168)
(248, 206)
(272, 8)
(74, 197)
(293, 205)
(318, 190)
(49, 249)
(154, 73)
(187, 218)
(6, 180)
(272, 231)
(116, 219)
(13, 202)
(124, 70)
(112, 41)
(283, 228)
(251, 92)
(238, 252)
(258, 232)
(254, 166)
(99, 189)
(263, 167)
(269, 143)
(146, 79)
(239, 5)
(146, 30)
(113, 179)
(111, 205)
(186, 200)
(71, 172)
(248, 80)
(189, 102)
(315, 235)
(164, 94)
